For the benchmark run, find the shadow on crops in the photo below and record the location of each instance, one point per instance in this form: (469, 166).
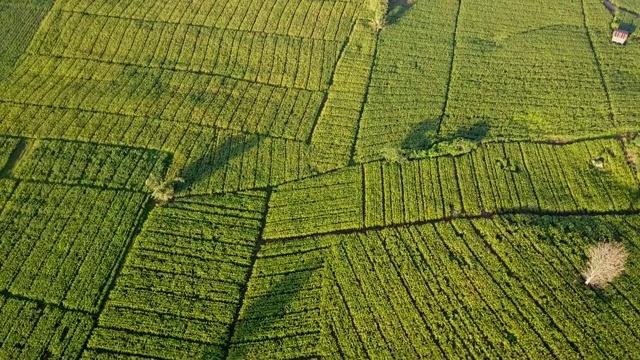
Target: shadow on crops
(397, 9)
(217, 158)
(476, 132)
(631, 27)
(262, 316)
(423, 135)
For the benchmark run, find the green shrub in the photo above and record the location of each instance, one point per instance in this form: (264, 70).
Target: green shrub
(162, 190)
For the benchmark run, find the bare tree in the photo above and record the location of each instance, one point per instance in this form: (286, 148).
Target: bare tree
(606, 262)
(162, 190)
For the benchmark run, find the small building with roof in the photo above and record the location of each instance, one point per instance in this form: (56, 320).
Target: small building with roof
(620, 36)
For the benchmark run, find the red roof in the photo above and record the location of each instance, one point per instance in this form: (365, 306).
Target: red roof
(621, 34)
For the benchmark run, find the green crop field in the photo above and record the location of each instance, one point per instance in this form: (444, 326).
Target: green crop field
(318, 179)
(631, 5)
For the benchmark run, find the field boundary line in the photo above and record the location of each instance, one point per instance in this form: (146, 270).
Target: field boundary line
(121, 352)
(451, 63)
(596, 59)
(245, 286)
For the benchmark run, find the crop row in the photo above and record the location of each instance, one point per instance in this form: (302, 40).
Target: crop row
(61, 244)
(281, 314)
(6, 190)
(523, 80)
(211, 160)
(37, 121)
(482, 288)
(20, 21)
(510, 177)
(326, 19)
(409, 80)
(269, 59)
(164, 94)
(620, 72)
(179, 289)
(29, 330)
(76, 163)
(316, 205)
(338, 122)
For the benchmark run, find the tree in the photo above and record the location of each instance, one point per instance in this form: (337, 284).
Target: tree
(162, 190)
(379, 8)
(606, 262)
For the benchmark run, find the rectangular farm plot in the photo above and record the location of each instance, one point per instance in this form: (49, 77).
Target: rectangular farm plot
(500, 178)
(320, 204)
(325, 19)
(335, 132)
(211, 160)
(534, 78)
(170, 95)
(179, 289)
(61, 244)
(279, 60)
(20, 20)
(408, 83)
(583, 177)
(281, 312)
(220, 160)
(77, 163)
(30, 330)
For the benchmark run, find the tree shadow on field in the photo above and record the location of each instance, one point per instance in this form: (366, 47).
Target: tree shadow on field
(263, 314)
(476, 132)
(423, 135)
(216, 158)
(397, 9)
